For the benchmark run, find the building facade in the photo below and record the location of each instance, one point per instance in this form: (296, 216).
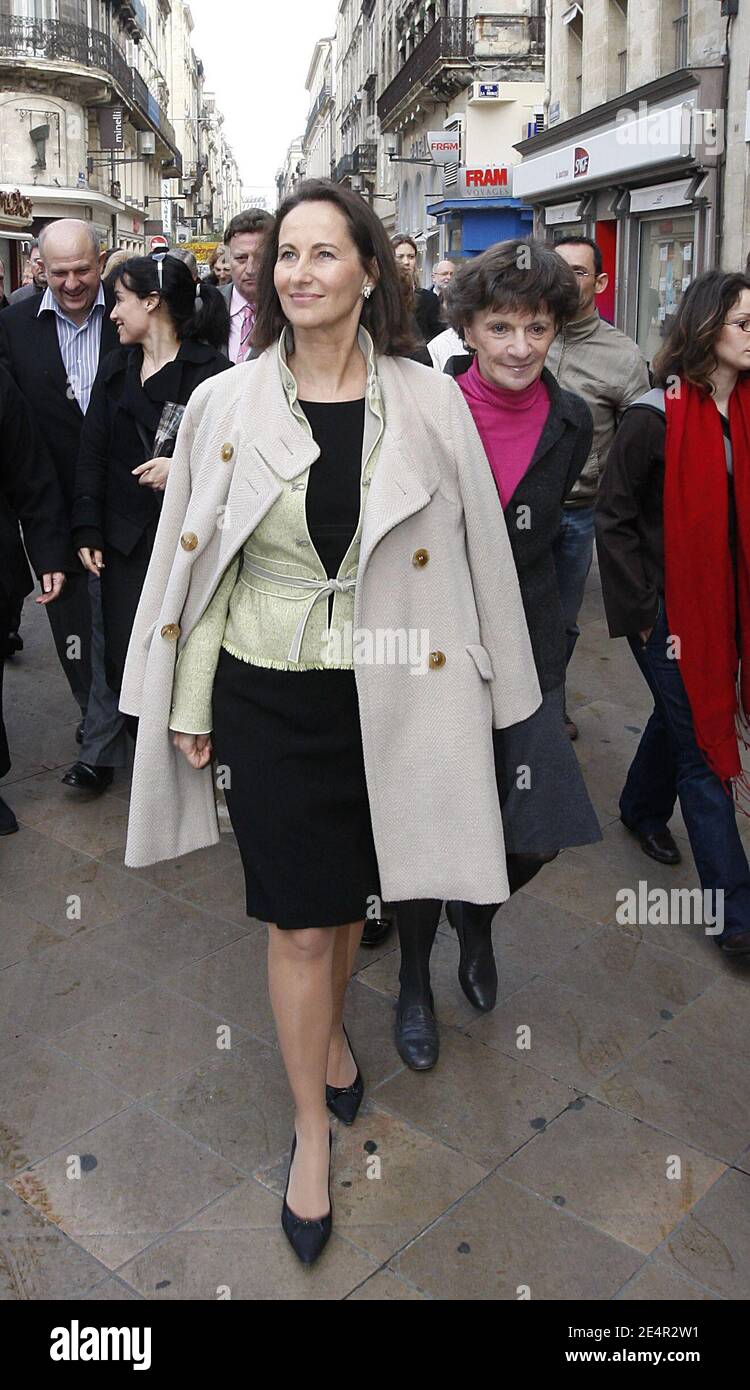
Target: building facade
(293, 170)
(475, 71)
(645, 146)
(88, 90)
(319, 140)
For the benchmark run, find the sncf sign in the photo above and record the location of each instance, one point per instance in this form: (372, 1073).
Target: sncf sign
(580, 162)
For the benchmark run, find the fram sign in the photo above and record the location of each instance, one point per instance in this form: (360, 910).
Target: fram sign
(445, 147)
(580, 162)
(486, 178)
(492, 182)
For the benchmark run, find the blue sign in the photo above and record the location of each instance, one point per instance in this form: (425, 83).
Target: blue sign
(489, 89)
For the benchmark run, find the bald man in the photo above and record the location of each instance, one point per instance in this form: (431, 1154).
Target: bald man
(52, 346)
(442, 274)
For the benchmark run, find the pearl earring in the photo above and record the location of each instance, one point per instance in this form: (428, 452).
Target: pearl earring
(367, 291)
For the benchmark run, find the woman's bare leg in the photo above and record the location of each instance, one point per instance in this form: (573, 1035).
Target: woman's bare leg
(342, 1068)
(300, 983)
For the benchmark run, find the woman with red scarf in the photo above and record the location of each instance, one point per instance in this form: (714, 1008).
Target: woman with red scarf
(673, 522)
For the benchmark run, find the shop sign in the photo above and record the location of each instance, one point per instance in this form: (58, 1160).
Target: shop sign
(15, 208)
(112, 127)
(445, 148)
(493, 181)
(653, 138)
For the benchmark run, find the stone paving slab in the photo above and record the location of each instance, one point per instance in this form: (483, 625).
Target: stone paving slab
(136, 1036)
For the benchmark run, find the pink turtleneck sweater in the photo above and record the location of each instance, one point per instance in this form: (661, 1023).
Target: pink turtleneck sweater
(510, 424)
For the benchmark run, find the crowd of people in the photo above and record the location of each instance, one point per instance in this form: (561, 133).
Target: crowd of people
(244, 496)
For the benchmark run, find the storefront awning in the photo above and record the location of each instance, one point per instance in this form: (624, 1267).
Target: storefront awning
(474, 205)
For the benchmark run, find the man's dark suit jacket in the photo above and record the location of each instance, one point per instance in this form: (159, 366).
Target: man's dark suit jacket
(29, 492)
(29, 350)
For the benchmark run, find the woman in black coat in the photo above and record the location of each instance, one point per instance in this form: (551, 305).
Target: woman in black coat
(29, 493)
(509, 303)
(171, 333)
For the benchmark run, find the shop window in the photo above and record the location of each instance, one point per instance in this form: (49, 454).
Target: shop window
(665, 269)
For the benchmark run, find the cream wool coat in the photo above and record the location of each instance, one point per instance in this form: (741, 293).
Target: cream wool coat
(426, 737)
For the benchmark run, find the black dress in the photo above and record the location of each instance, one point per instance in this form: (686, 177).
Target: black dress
(292, 740)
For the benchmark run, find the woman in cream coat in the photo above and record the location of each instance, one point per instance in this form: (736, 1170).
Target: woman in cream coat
(438, 653)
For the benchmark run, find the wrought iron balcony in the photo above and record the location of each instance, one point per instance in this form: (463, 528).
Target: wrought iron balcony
(362, 160)
(449, 43)
(323, 96)
(148, 105)
(54, 41)
(344, 168)
(366, 158)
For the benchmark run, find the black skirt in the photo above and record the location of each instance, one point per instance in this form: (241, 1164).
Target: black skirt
(297, 794)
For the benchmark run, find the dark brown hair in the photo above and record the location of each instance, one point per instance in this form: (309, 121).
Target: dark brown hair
(383, 314)
(403, 240)
(253, 220)
(688, 348)
(515, 275)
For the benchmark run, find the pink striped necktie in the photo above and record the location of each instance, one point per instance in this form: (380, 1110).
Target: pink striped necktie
(246, 332)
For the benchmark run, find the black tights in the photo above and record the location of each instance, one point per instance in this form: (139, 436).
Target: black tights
(417, 920)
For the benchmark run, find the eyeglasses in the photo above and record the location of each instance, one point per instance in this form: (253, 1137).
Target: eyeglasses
(582, 274)
(742, 324)
(158, 257)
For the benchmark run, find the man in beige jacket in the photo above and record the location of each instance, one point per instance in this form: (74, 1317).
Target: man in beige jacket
(606, 368)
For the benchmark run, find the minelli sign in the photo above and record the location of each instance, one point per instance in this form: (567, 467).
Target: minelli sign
(445, 147)
(492, 182)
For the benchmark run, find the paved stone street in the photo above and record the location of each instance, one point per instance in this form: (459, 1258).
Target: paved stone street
(610, 1159)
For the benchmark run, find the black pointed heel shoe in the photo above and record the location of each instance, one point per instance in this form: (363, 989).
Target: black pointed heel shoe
(477, 970)
(307, 1236)
(344, 1101)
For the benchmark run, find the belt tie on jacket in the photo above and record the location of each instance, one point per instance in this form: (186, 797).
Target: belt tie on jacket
(319, 588)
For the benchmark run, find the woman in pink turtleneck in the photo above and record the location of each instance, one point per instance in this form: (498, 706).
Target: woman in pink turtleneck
(508, 304)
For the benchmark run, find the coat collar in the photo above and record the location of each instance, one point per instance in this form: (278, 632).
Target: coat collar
(278, 445)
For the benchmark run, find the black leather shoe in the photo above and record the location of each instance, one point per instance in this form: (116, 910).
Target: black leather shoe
(344, 1101)
(88, 779)
(8, 822)
(375, 931)
(477, 970)
(657, 844)
(14, 643)
(307, 1236)
(417, 1039)
(738, 944)
(79, 732)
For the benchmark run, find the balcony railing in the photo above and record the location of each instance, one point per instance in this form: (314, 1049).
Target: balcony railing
(56, 42)
(366, 158)
(344, 168)
(362, 160)
(149, 106)
(448, 40)
(323, 96)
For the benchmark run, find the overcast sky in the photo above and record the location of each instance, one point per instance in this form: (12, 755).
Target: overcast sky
(256, 54)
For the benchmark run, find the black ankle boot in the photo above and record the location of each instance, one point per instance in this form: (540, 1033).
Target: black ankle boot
(477, 971)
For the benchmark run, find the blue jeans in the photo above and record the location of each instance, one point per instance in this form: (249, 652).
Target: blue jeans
(668, 764)
(573, 551)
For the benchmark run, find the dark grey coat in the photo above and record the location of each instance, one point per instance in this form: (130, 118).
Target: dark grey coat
(533, 518)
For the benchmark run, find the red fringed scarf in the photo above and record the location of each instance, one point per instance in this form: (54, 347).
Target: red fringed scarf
(703, 599)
